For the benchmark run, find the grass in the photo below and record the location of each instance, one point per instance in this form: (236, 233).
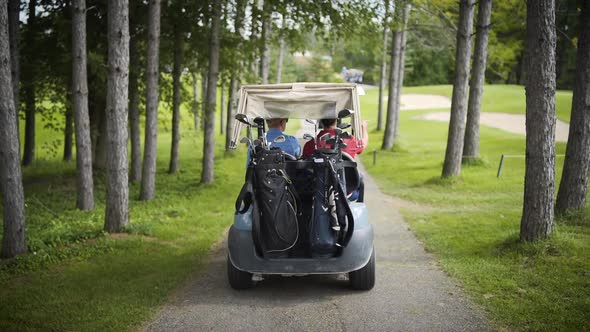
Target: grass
(76, 277)
(472, 222)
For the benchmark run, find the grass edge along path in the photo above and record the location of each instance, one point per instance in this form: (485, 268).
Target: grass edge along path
(471, 223)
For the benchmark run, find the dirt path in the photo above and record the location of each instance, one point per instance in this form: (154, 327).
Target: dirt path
(411, 292)
(513, 123)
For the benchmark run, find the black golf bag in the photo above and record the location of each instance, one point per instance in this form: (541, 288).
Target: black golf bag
(275, 204)
(332, 222)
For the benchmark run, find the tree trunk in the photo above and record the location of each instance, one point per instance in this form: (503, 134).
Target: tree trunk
(280, 59)
(388, 135)
(265, 46)
(452, 165)
(204, 80)
(209, 114)
(232, 106)
(401, 68)
(68, 133)
(382, 77)
(134, 129)
(471, 148)
(195, 106)
(176, 98)
(84, 181)
(148, 177)
(117, 207)
(100, 151)
(11, 185)
(14, 37)
(539, 181)
(222, 115)
(29, 87)
(574, 180)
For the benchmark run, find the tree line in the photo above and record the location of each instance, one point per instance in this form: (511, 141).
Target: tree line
(100, 63)
(541, 72)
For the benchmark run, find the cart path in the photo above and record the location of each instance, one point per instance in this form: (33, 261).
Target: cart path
(411, 292)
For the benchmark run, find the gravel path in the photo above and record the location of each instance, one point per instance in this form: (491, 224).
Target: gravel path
(411, 292)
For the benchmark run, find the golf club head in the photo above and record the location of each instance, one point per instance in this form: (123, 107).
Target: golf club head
(307, 137)
(338, 131)
(313, 122)
(345, 113)
(244, 140)
(325, 137)
(243, 118)
(344, 125)
(343, 145)
(257, 142)
(346, 135)
(258, 120)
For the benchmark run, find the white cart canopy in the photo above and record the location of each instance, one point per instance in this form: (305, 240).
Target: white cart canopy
(298, 101)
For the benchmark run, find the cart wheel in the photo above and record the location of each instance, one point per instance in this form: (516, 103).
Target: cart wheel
(238, 279)
(364, 278)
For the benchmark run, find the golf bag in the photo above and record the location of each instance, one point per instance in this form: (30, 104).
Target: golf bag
(332, 222)
(275, 204)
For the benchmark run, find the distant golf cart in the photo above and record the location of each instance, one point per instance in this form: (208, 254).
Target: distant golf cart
(300, 216)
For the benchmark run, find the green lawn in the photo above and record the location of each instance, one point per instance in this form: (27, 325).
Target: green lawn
(471, 223)
(76, 277)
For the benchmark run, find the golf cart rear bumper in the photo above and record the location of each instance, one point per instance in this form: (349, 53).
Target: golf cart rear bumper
(356, 255)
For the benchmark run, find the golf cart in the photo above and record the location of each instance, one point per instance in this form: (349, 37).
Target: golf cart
(300, 216)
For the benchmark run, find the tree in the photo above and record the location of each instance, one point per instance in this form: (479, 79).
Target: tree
(574, 179)
(389, 134)
(265, 45)
(117, 206)
(235, 72)
(134, 69)
(222, 115)
(14, 37)
(68, 133)
(480, 54)
(539, 181)
(11, 186)
(195, 104)
(176, 97)
(281, 54)
(148, 177)
(29, 86)
(401, 67)
(84, 181)
(382, 78)
(209, 107)
(452, 164)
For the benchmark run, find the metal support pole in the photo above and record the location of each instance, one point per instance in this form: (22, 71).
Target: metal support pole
(500, 166)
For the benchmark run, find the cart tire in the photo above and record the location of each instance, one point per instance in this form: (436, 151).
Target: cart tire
(238, 279)
(364, 278)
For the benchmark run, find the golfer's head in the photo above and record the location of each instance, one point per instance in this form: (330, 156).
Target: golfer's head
(277, 123)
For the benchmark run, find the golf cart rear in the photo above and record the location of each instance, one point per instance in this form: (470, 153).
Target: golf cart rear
(319, 230)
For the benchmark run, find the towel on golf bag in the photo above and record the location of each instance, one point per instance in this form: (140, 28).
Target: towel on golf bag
(332, 222)
(275, 203)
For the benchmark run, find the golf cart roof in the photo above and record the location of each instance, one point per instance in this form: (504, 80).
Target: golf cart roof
(298, 101)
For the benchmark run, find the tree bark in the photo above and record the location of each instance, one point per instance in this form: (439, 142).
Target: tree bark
(388, 135)
(539, 182)
(383, 70)
(222, 115)
(14, 37)
(265, 47)
(195, 107)
(84, 180)
(235, 74)
(176, 98)
(11, 186)
(134, 129)
(100, 151)
(68, 133)
(29, 87)
(207, 175)
(148, 177)
(117, 207)
(204, 79)
(452, 164)
(574, 179)
(280, 59)
(401, 68)
(471, 148)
